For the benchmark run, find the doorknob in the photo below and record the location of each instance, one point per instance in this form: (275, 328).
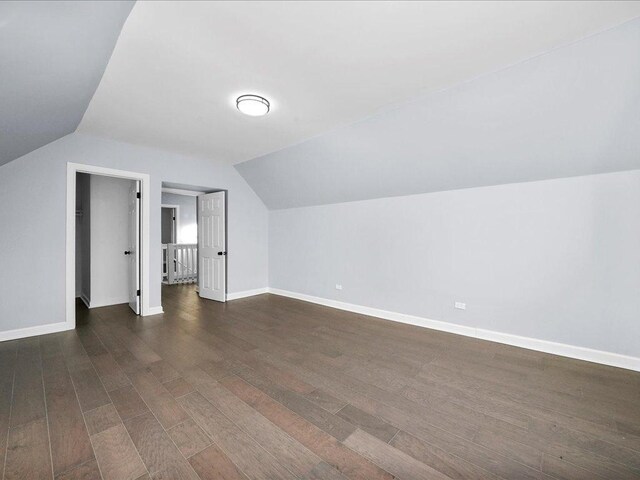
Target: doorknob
(127, 252)
(222, 253)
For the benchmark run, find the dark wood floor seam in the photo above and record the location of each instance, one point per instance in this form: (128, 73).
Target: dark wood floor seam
(394, 436)
(46, 415)
(13, 382)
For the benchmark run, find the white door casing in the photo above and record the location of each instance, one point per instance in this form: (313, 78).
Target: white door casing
(134, 247)
(145, 247)
(212, 246)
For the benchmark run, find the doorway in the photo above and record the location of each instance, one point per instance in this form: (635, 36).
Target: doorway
(133, 246)
(178, 234)
(199, 254)
(107, 241)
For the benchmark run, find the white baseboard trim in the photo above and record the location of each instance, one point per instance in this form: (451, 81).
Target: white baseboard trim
(562, 349)
(153, 311)
(109, 302)
(247, 293)
(33, 331)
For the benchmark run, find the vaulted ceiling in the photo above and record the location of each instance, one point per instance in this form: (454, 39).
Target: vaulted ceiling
(178, 66)
(573, 111)
(369, 99)
(52, 56)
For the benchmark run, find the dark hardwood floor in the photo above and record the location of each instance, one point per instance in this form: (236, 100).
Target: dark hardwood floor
(273, 388)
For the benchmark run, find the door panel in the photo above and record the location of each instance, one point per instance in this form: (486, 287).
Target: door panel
(134, 247)
(212, 246)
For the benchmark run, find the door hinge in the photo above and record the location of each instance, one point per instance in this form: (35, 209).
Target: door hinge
(138, 293)
(137, 194)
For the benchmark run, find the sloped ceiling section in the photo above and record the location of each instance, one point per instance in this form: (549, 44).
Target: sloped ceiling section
(573, 111)
(52, 56)
(178, 66)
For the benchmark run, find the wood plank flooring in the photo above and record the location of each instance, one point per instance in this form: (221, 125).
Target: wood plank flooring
(269, 388)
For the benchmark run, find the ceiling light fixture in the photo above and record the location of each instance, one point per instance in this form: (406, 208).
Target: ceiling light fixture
(253, 105)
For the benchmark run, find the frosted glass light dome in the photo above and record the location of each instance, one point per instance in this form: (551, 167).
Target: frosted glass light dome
(253, 105)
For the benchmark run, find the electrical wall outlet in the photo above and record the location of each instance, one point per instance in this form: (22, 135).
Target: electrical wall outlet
(460, 305)
(338, 286)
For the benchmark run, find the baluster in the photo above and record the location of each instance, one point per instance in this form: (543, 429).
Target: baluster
(188, 263)
(195, 263)
(171, 264)
(184, 264)
(178, 263)
(192, 262)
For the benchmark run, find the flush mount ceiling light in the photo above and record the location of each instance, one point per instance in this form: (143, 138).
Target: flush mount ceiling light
(253, 105)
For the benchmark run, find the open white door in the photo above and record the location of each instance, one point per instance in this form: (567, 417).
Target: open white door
(212, 246)
(134, 247)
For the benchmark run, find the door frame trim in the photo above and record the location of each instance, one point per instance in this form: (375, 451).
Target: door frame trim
(145, 193)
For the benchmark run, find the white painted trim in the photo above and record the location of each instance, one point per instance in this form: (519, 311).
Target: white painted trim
(33, 331)
(155, 310)
(85, 300)
(145, 193)
(109, 302)
(179, 191)
(564, 350)
(177, 207)
(247, 293)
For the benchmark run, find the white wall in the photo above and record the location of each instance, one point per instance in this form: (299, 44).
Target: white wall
(557, 260)
(187, 224)
(32, 213)
(109, 239)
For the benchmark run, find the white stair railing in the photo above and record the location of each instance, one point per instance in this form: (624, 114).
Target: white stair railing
(180, 263)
